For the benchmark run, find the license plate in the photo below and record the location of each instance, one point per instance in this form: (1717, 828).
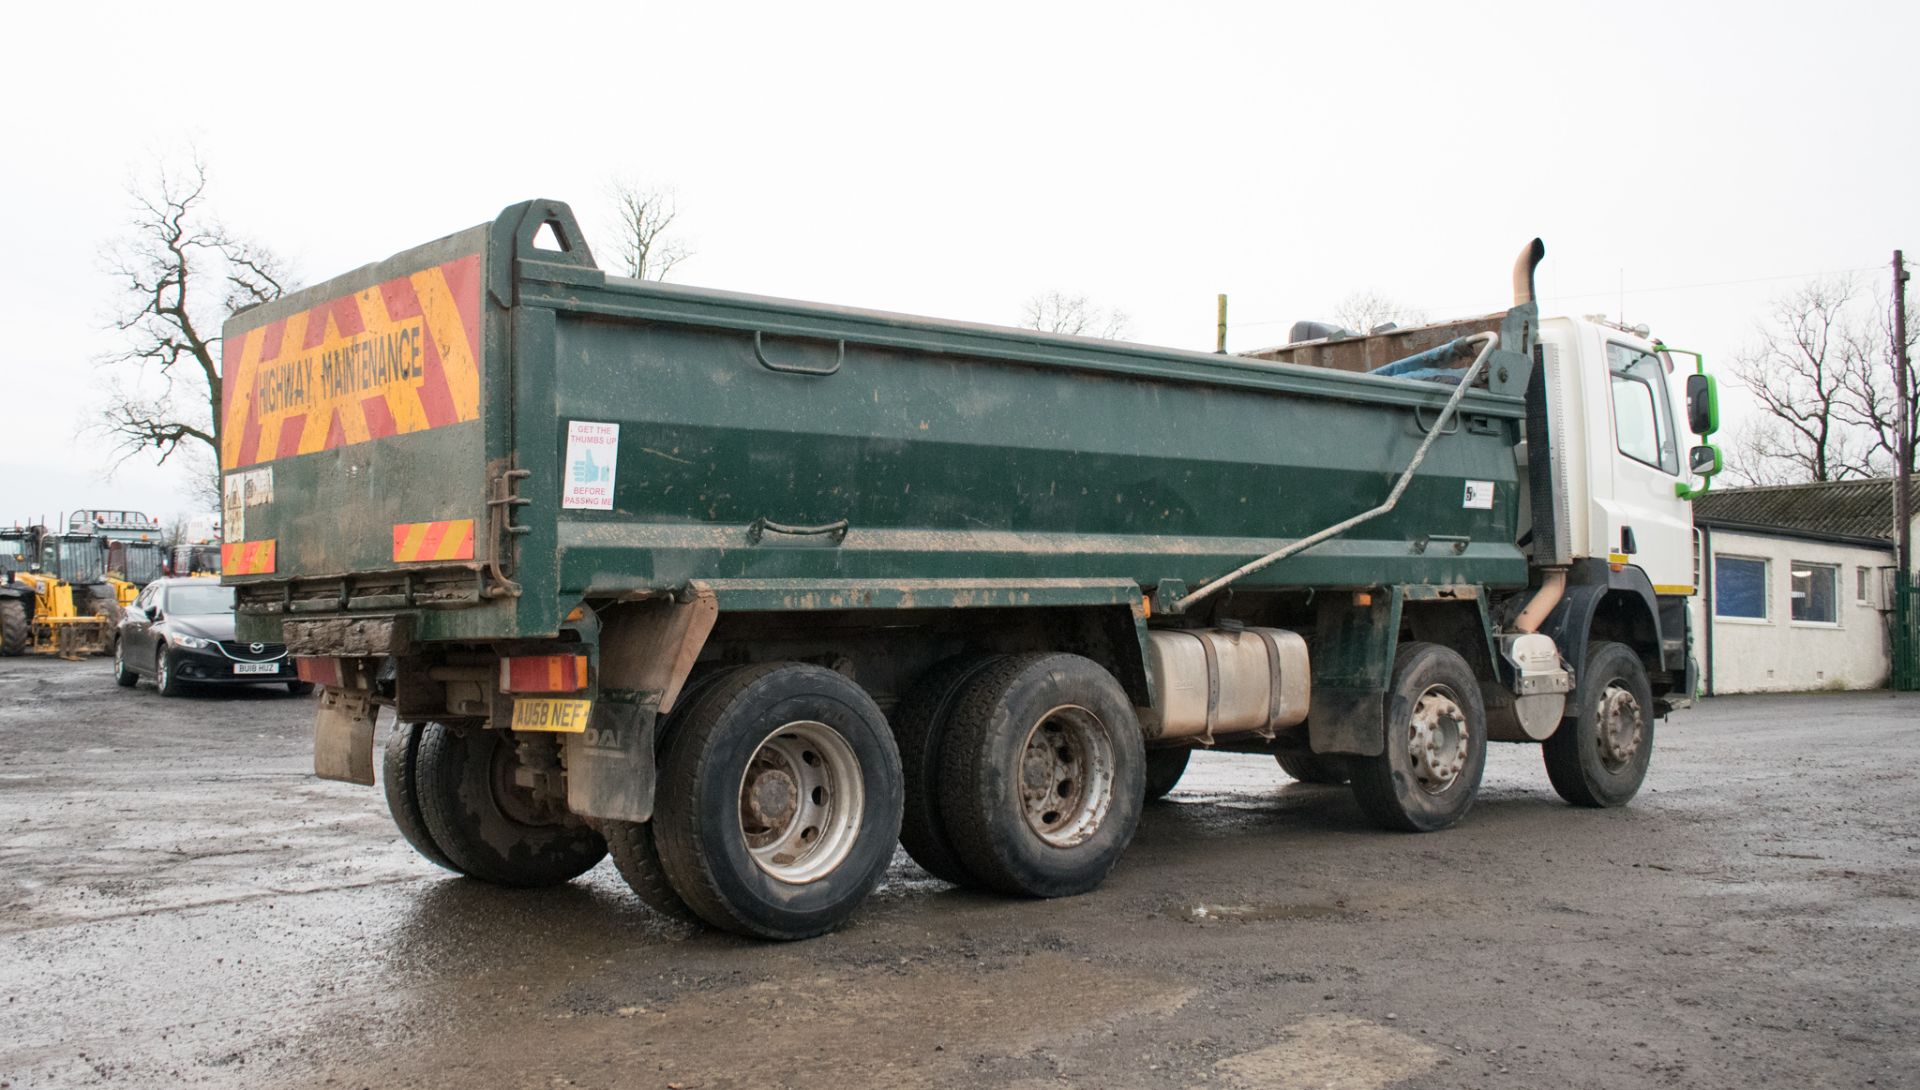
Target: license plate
(564, 716)
(256, 667)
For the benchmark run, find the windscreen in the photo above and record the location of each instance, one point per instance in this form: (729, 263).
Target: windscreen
(199, 600)
(81, 560)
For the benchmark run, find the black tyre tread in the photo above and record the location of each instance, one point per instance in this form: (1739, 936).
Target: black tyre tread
(299, 688)
(434, 766)
(123, 675)
(173, 686)
(964, 791)
(1312, 768)
(637, 858)
(16, 632)
(683, 840)
(1565, 751)
(636, 854)
(1164, 769)
(403, 802)
(1372, 779)
(919, 726)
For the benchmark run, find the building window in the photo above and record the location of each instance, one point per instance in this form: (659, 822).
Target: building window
(1815, 592)
(1740, 587)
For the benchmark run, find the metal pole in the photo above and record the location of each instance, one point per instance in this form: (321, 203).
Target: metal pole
(1903, 442)
(1220, 330)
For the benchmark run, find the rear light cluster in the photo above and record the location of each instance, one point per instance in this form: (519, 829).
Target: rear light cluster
(518, 674)
(543, 674)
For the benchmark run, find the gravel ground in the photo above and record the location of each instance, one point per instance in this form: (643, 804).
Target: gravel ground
(181, 902)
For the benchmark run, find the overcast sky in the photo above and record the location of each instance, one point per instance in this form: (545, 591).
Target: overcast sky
(954, 160)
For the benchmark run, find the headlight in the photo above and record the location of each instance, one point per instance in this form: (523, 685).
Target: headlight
(192, 643)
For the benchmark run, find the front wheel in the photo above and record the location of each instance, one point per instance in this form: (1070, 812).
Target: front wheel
(1599, 756)
(1435, 748)
(779, 801)
(16, 630)
(164, 681)
(487, 823)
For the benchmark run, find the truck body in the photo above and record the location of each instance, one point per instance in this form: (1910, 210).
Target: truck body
(530, 507)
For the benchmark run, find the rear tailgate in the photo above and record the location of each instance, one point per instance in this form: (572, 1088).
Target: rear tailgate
(353, 435)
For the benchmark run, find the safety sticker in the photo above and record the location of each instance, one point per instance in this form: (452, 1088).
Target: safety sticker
(593, 450)
(239, 491)
(1479, 496)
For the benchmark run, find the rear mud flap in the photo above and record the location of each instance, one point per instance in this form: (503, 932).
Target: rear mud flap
(343, 736)
(610, 764)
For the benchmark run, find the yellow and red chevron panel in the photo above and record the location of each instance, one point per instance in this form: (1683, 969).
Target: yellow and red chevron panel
(399, 357)
(451, 539)
(247, 557)
(543, 673)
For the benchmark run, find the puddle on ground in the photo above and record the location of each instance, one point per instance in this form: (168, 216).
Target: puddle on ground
(1259, 912)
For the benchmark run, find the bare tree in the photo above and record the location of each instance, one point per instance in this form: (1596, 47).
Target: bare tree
(1059, 312)
(1366, 311)
(1810, 372)
(1868, 399)
(180, 273)
(643, 221)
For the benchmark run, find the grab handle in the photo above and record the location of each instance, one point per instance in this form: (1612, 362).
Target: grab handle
(837, 530)
(760, 353)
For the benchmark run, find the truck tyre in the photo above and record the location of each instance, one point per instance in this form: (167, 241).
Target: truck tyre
(920, 729)
(16, 632)
(486, 825)
(299, 688)
(1043, 775)
(1164, 769)
(1599, 755)
(403, 794)
(635, 852)
(1313, 767)
(164, 681)
(779, 801)
(1436, 744)
(123, 674)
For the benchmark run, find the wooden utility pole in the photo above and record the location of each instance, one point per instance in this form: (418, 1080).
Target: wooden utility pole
(1903, 414)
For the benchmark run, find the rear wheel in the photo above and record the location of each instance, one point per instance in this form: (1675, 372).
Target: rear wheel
(489, 825)
(1599, 756)
(403, 793)
(1164, 769)
(779, 802)
(1313, 767)
(1043, 775)
(16, 632)
(123, 674)
(1436, 744)
(632, 844)
(920, 729)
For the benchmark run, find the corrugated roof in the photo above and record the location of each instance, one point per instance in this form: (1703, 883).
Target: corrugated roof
(1847, 508)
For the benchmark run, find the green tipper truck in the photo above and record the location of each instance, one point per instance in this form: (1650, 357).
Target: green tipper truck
(746, 591)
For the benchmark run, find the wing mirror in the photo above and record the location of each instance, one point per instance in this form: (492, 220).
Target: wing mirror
(1703, 406)
(1704, 460)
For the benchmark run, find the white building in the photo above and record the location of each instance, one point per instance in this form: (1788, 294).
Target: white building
(1796, 589)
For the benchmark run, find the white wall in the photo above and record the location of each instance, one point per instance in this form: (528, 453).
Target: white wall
(1780, 654)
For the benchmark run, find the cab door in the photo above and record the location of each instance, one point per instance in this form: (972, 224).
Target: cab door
(1647, 524)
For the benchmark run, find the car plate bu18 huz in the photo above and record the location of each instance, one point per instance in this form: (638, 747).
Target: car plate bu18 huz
(256, 667)
(564, 716)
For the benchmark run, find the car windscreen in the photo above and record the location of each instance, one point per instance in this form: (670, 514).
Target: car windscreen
(200, 601)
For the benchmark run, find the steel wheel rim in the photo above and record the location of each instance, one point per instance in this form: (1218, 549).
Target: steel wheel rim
(1066, 776)
(1618, 726)
(517, 802)
(801, 800)
(1437, 741)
